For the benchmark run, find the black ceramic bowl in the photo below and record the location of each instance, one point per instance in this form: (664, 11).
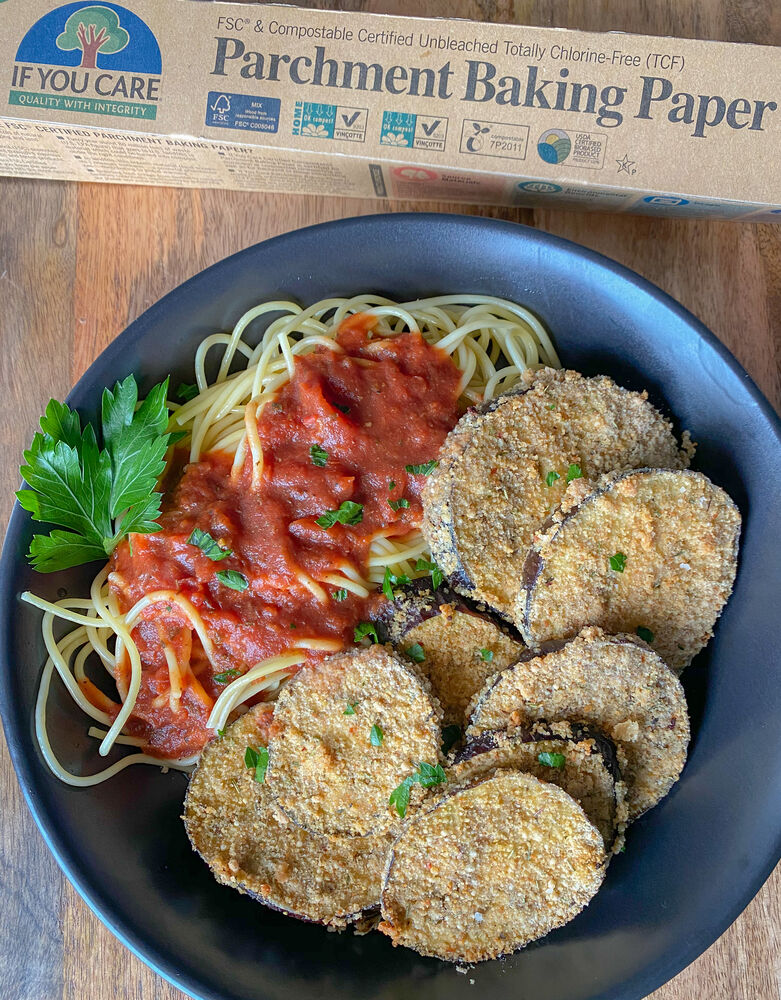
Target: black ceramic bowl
(691, 865)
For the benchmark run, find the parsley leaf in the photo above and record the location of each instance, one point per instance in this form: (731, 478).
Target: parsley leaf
(424, 566)
(556, 760)
(350, 710)
(348, 513)
(396, 504)
(645, 634)
(227, 675)
(391, 485)
(208, 545)
(426, 775)
(257, 760)
(415, 652)
(187, 391)
(100, 495)
(232, 579)
(363, 629)
(450, 736)
(399, 797)
(339, 595)
(391, 580)
(376, 735)
(422, 470)
(429, 775)
(551, 478)
(618, 562)
(486, 655)
(318, 455)
(574, 472)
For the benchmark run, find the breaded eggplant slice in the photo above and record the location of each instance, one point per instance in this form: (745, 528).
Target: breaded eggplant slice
(493, 865)
(345, 734)
(505, 466)
(456, 646)
(250, 845)
(579, 759)
(614, 683)
(653, 551)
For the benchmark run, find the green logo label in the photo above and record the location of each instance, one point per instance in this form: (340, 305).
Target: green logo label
(89, 59)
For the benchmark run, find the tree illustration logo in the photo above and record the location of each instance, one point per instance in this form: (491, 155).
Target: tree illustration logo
(93, 30)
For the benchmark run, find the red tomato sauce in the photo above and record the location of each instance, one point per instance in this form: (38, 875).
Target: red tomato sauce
(380, 405)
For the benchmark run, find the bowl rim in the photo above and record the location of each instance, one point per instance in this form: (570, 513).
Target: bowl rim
(643, 981)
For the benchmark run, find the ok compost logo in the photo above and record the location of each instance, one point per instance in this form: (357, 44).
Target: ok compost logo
(98, 59)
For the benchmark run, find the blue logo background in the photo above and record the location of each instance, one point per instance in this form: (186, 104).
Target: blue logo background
(140, 55)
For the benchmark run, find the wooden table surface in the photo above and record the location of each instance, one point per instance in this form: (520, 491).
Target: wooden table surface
(80, 262)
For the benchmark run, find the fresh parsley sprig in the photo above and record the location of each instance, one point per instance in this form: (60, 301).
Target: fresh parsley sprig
(349, 512)
(425, 469)
(426, 775)
(208, 545)
(99, 495)
(256, 760)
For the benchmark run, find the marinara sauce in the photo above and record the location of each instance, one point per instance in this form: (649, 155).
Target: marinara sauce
(379, 405)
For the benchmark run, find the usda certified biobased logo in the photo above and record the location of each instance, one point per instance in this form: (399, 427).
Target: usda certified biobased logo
(98, 59)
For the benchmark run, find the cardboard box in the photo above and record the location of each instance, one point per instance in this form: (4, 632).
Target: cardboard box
(276, 98)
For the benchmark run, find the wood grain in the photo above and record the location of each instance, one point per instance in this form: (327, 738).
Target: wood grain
(78, 263)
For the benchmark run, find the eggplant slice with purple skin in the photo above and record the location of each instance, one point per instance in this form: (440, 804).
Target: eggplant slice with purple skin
(577, 758)
(505, 466)
(614, 683)
(492, 865)
(250, 845)
(456, 645)
(652, 551)
(346, 733)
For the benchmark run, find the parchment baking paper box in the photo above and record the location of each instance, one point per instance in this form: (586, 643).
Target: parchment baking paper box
(276, 98)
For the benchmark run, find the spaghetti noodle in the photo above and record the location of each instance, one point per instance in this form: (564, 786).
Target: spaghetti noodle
(490, 341)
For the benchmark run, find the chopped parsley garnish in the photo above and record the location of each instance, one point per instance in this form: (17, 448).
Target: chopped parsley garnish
(318, 455)
(348, 513)
(487, 655)
(556, 760)
(344, 409)
(574, 472)
(551, 478)
(645, 633)
(450, 736)
(350, 710)
(391, 485)
(551, 406)
(100, 495)
(396, 504)
(391, 580)
(618, 562)
(187, 391)
(208, 545)
(227, 676)
(376, 735)
(430, 774)
(257, 760)
(363, 629)
(220, 733)
(422, 470)
(427, 775)
(339, 595)
(415, 652)
(232, 579)
(424, 566)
